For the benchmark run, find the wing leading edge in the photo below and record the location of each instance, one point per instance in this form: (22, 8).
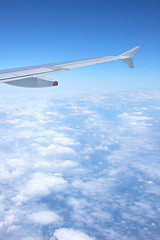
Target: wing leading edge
(35, 76)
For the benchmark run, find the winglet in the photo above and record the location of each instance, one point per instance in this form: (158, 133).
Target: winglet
(127, 57)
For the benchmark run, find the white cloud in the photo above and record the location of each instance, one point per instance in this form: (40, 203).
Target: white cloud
(71, 234)
(54, 149)
(78, 203)
(57, 165)
(63, 140)
(45, 218)
(95, 186)
(136, 118)
(40, 185)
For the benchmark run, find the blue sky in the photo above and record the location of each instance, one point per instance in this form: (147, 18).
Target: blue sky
(35, 32)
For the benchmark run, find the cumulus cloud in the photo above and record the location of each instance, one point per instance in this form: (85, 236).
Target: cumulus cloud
(54, 149)
(45, 218)
(40, 185)
(92, 187)
(136, 119)
(71, 234)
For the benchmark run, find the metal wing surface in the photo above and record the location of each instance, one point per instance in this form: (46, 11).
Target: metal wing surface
(35, 76)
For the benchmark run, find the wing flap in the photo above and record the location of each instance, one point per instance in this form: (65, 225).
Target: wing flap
(32, 82)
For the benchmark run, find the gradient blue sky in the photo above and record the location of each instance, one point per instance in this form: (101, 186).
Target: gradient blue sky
(35, 32)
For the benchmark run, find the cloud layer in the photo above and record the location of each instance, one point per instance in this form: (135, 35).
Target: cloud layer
(80, 168)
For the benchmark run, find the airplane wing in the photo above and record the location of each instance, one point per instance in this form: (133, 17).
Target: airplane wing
(34, 76)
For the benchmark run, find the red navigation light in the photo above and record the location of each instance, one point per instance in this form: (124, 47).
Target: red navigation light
(55, 83)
